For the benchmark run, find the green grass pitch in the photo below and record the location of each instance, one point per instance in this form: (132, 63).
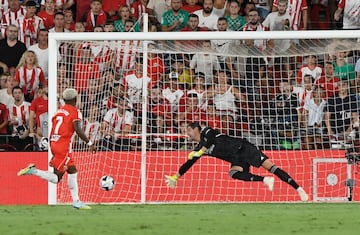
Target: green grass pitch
(184, 219)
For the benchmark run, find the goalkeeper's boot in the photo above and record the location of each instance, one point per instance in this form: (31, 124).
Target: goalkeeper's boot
(303, 195)
(81, 206)
(29, 170)
(269, 181)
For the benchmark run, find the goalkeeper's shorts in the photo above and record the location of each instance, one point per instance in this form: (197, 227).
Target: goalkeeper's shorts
(248, 155)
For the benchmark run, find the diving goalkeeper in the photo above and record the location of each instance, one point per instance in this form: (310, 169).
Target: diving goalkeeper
(237, 151)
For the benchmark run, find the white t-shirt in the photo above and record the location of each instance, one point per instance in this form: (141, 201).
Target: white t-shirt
(209, 22)
(42, 55)
(275, 22)
(134, 88)
(205, 64)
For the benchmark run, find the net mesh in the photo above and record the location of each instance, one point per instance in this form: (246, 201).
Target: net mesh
(276, 98)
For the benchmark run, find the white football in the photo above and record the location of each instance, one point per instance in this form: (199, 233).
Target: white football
(107, 182)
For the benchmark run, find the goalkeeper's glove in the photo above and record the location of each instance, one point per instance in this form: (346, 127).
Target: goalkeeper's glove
(195, 154)
(171, 180)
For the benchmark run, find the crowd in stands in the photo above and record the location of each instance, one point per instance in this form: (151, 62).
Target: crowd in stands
(292, 102)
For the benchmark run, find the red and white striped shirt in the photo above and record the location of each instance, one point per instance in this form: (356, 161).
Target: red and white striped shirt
(116, 121)
(9, 17)
(125, 55)
(29, 29)
(21, 113)
(261, 44)
(29, 79)
(305, 70)
(92, 130)
(295, 7)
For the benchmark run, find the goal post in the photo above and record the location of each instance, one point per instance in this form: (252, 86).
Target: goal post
(139, 158)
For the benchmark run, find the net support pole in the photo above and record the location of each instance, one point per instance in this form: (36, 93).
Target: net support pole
(144, 112)
(52, 91)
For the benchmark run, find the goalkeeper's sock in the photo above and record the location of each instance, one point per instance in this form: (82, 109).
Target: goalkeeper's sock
(246, 176)
(284, 176)
(46, 175)
(73, 186)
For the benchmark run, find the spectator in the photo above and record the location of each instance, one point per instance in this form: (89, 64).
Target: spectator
(6, 96)
(11, 48)
(343, 69)
(205, 63)
(189, 111)
(174, 19)
(284, 113)
(314, 120)
(81, 8)
(220, 7)
(254, 24)
(38, 117)
(109, 26)
(193, 24)
(125, 14)
(95, 16)
(351, 15)
(191, 6)
(134, 84)
(41, 51)
(48, 13)
(207, 19)
(298, 10)
(85, 69)
(235, 21)
(69, 21)
(29, 25)
(29, 75)
(225, 97)
(61, 5)
(263, 7)
(98, 29)
(116, 127)
(328, 82)
(59, 24)
(79, 27)
(199, 88)
(224, 47)
(173, 91)
(179, 71)
(311, 67)
(279, 21)
(112, 7)
(10, 17)
(156, 9)
(341, 113)
(118, 92)
(92, 124)
(3, 80)
(138, 8)
(156, 67)
(19, 120)
(4, 120)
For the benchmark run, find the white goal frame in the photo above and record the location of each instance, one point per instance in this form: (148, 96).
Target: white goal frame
(54, 39)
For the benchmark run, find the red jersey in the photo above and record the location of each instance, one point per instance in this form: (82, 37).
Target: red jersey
(39, 106)
(4, 115)
(330, 87)
(156, 69)
(47, 18)
(84, 72)
(63, 130)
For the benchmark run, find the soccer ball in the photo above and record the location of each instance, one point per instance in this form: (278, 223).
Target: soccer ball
(107, 182)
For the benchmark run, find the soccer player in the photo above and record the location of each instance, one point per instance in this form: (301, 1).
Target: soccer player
(65, 122)
(237, 151)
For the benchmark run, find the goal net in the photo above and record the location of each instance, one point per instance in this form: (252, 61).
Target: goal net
(139, 91)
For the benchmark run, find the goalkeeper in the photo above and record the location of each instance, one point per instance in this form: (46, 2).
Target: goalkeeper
(237, 151)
